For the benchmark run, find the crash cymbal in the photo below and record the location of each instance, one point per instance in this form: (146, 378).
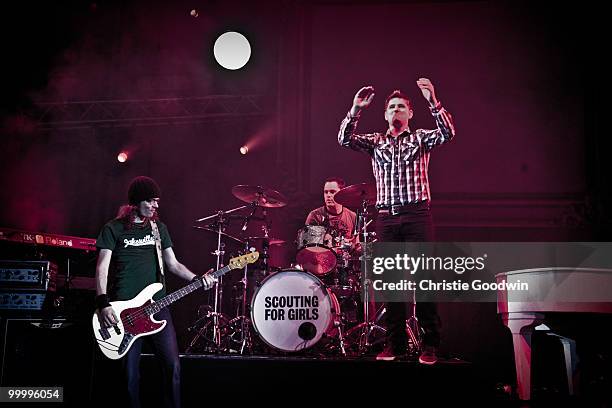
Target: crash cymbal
(214, 231)
(263, 196)
(272, 240)
(353, 196)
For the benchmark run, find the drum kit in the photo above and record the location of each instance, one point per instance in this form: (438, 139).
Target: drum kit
(321, 304)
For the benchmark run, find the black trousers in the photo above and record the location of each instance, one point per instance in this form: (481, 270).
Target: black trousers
(166, 350)
(412, 225)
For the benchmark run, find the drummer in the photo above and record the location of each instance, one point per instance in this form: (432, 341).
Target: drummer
(340, 219)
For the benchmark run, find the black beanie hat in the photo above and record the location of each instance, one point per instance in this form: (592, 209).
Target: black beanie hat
(143, 188)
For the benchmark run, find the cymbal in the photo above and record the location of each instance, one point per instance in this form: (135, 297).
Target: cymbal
(214, 231)
(263, 196)
(273, 241)
(353, 196)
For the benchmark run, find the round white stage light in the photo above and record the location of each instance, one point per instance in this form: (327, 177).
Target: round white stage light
(232, 50)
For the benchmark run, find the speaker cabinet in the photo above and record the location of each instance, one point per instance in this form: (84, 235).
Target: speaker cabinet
(38, 353)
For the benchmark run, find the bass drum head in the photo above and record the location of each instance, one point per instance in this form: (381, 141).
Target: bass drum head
(291, 310)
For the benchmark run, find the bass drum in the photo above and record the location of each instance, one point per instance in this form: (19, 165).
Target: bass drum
(292, 310)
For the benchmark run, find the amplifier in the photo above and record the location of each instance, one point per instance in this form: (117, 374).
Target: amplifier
(22, 300)
(28, 275)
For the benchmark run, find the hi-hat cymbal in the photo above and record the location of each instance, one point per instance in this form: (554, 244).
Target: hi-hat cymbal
(272, 241)
(214, 231)
(263, 196)
(353, 196)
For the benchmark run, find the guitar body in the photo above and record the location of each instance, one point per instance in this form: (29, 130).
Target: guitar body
(136, 315)
(116, 341)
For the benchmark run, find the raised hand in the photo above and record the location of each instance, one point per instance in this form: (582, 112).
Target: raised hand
(363, 98)
(428, 91)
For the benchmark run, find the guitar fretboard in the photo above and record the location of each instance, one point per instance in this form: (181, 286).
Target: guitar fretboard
(174, 296)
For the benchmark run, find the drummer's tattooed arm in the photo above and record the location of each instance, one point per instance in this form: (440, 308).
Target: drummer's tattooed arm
(312, 219)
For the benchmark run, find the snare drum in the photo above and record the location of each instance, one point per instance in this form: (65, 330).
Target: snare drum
(292, 309)
(315, 253)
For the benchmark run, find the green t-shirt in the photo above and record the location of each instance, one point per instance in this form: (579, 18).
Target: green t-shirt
(134, 262)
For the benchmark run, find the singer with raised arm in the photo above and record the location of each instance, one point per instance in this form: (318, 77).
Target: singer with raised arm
(133, 249)
(400, 160)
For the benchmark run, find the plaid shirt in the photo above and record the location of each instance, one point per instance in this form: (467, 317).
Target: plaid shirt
(399, 164)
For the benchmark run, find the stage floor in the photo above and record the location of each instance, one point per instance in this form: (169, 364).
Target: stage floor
(67, 357)
(310, 380)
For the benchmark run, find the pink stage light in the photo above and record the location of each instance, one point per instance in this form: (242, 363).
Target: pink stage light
(122, 157)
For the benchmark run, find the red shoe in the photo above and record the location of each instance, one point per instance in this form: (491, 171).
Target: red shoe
(386, 355)
(428, 356)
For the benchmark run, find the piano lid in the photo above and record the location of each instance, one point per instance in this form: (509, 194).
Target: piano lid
(557, 289)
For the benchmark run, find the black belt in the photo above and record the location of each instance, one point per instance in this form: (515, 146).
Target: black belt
(401, 209)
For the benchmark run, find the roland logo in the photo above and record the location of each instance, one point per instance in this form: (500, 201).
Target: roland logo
(59, 242)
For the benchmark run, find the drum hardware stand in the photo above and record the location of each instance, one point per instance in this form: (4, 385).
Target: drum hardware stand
(219, 225)
(244, 326)
(266, 231)
(266, 243)
(219, 253)
(368, 327)
(204, 322)
(245, 323)
(413, 329)
(339, 324)
(245, 225)
(254, 196)
(339, 320)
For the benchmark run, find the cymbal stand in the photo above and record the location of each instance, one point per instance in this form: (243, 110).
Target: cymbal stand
(245, 340)
(243, 328)
(265, 227)
(219, 224)
(219, 253)
(368, 328)
(265, 245)
(221, 213)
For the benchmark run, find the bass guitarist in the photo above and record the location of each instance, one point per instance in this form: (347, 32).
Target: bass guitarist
(133, 249)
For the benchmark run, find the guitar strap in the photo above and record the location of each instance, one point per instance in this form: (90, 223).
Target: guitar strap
(158, 247)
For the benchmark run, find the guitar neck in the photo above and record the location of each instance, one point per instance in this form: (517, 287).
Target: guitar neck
(174, 296)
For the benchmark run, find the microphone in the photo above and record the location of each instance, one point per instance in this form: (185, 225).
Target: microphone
(357, 228)
(247, 218)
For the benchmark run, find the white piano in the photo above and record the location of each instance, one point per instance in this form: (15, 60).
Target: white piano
(587, 290)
